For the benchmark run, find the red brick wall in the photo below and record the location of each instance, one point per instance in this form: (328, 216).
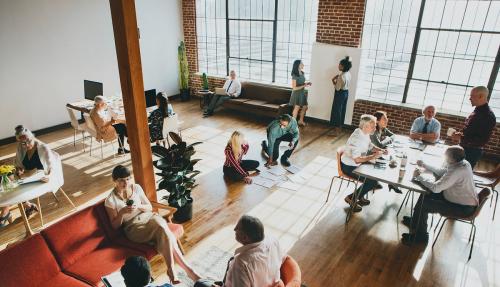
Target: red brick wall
(401, 119)
(190, 39)
(340, 22)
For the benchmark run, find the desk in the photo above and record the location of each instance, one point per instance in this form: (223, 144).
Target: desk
(32, 190)
(25, 192)
(390, 175)
(116, 104)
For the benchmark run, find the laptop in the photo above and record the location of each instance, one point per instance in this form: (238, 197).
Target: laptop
(220, 91)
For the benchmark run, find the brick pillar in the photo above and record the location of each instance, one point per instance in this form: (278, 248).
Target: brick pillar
(190, 39)
(340, 22)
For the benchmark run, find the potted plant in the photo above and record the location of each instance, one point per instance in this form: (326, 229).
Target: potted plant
(183, 72)
(204, 82)
(177, 175)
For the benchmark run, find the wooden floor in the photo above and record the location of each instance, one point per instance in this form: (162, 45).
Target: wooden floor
(366, 253)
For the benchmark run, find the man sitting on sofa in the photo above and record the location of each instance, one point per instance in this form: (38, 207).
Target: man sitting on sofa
(255, 264)
(232, 89)
(284, 128)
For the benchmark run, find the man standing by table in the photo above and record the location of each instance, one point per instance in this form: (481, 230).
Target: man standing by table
(478, 126)
(453, 193)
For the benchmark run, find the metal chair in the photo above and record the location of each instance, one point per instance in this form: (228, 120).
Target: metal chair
(483, 195)
(92, 130)
(489, 179)
(341, 176)
(76, 126)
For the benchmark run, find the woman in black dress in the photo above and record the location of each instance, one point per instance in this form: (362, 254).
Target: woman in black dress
(164, 109)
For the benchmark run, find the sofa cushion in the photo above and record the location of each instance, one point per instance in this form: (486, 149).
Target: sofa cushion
(27, 263)
(91, 267)
(255, 102)
(62, 280)
(75, 236)
(240, 100)
(268, 93)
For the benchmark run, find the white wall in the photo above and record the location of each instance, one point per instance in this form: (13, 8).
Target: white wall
(48, 47)
(324, 66)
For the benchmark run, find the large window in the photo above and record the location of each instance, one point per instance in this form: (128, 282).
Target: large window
(259, 39)
(430, 52)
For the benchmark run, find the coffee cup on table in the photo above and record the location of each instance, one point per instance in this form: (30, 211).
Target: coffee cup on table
(402, 172)
(450, 132)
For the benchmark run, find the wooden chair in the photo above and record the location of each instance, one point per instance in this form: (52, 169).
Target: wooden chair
(483, 195)
(92, 130)
(77, 127)
(343, 177)
(489, 179)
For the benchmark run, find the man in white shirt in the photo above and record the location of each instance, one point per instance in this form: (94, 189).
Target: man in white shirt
(453, 193)
(232, 89)
(255, 264)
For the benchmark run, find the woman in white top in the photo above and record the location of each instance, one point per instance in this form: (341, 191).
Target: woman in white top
(359, 149)
(128, 207)
(341, 82)
(31, 155)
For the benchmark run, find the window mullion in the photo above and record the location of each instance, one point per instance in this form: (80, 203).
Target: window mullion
(414, 50)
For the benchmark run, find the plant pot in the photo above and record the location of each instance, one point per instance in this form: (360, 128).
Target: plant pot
(185, 95)
(184, 213)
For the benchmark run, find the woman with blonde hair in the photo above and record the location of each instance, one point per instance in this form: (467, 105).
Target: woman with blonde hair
(107, 124)
(235, 167)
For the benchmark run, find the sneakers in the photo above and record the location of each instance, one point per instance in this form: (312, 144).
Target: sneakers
(123, 151)
(410, 238)
(407, 221)
(363, 201)
(285, 161)
(348, 199)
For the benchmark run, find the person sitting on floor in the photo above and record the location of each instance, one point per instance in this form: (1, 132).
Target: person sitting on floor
(136, 272)
(284, 128)
(257, 263)
(128, 207)
(426, 128)
(31, 155)
(155, 119)
(453, 193)
(234, 167)
(359, 149)
(232, 88)
(107, 124)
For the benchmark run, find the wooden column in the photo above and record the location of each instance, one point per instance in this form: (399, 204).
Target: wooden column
(130, 68)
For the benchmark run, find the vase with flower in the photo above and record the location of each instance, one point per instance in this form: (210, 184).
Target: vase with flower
(7, 180)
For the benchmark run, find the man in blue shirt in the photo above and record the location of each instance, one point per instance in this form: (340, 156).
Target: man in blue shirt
(426, 128)
(284, 128)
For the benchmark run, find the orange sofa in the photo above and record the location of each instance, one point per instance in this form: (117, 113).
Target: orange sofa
(77, 251)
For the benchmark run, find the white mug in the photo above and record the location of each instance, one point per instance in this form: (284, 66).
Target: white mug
(451, 131)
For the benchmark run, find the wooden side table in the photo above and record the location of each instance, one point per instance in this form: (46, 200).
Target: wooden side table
(205, 96)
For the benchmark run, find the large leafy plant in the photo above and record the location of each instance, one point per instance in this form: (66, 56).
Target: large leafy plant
(176, 170)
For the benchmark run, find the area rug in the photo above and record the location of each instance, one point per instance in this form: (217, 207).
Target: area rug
(211, 264)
